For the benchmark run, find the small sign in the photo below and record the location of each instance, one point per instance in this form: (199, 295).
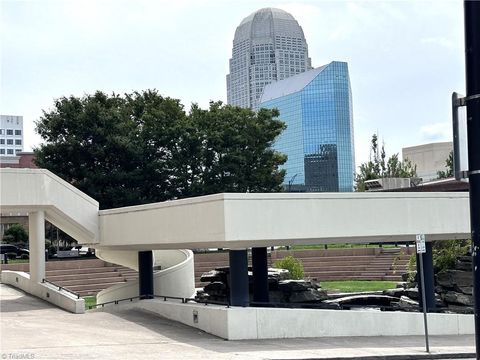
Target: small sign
(420, 240)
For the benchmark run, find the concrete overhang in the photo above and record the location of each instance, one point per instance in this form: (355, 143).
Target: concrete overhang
(28, 190)
(245, 220)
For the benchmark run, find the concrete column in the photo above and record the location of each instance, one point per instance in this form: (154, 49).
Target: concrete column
(239, 295)
(260, 274)
(36, 240)
(429, 278)
(145, 274)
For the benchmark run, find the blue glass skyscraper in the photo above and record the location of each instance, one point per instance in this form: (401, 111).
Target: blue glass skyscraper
(317, 107)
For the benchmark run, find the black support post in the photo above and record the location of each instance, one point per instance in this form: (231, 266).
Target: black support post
(239, 295)
(472, 67)
(260, 274)
(428, 277)
(145, 274)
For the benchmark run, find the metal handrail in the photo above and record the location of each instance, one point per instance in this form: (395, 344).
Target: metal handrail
(61, 287)
(184, 300)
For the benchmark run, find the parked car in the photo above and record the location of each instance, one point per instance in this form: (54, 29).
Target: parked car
(12, 249)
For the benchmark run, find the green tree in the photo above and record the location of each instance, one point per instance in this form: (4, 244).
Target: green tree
(16, 234)
(378, 167)
(449, 167)
(142, 147)
(293, 265)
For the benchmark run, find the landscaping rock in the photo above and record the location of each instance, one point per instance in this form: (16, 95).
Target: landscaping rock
(412, 293)
(310, 295)
(452, 297)
(398, 292)
(405, 304)
(214, 275)
(452, 278)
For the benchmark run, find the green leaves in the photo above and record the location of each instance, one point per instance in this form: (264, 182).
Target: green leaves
(144, 148)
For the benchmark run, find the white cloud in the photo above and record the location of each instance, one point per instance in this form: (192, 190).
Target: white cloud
(436, 132)
(440, 41)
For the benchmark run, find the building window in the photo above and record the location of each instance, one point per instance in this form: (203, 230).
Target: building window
(2, 141)
(9, 141)
(17, 151)
(2, 151)
(18, 142)
(9, 151)
(9, 132)
(2, 131)
(18, 132)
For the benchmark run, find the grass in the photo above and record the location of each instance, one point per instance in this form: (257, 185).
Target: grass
(17, 261)
(90, 301)
(357, 286)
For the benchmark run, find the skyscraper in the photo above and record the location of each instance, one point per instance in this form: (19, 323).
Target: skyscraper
(269, 45)
(11, 135)
(317, 107)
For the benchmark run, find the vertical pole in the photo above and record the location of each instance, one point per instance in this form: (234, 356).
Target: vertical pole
(145, 274)
(36, 239)
(472, 67)
(260, 274)
(239, 295)
(429, 278)
(424, 302)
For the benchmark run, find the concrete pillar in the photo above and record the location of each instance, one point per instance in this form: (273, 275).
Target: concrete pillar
(429, 278)
(260, 274)
(145, 274)
(239, 295)
(36, 240)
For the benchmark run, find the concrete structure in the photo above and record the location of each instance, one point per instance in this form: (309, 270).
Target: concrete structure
(11, 135)
(234, 221)
(269, 45)
(317, 108)
(429, 158)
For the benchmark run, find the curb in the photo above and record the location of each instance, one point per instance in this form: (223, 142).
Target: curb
(397, 357)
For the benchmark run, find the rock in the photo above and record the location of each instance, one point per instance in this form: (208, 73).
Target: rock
(450, 278)
(278, 274)
(463, 265)
(363, 300)
(289, 286)
(276, 296)
(468, 290)
(406, 304)
(452, 297)
(311, 295)
(395, 292)
(460, 309)
(412, 293)
(216, 288)
(213, 275)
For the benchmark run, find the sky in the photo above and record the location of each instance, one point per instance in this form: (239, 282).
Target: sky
(405, 58)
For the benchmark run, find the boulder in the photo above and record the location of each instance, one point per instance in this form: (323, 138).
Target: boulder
(405, 304)
(468, 290)
(213, 275)
(452, 297)
(216, 288)
(311, 295)
(452, 278)
(289, 286)
(395, 292)
(412, 293)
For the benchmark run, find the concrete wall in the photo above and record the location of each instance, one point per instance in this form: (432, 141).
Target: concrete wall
(44, 291)
(269, 323)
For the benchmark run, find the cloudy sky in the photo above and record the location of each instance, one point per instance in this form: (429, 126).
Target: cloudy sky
(405, 57)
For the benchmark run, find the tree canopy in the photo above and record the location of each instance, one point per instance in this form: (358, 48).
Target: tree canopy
(143, 147)
(378, 167)
(16, 235)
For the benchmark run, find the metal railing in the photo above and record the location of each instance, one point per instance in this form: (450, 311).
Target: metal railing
(61, 288)
(165, 298)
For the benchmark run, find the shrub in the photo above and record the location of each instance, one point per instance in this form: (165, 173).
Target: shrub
(445, 253)
(293, 265)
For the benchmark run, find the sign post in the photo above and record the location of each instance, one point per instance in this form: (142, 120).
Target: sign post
(421, 249)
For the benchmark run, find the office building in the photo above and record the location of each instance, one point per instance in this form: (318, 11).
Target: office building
(269, 45)
(317, 107)
(429, 158)
(11, 135)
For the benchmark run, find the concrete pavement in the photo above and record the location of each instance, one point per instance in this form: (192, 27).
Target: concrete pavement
(34, 329)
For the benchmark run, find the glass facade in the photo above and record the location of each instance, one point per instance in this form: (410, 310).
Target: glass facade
(317, 108)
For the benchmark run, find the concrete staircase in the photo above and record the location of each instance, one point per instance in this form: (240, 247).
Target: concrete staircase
(332, 264)
(85, 277)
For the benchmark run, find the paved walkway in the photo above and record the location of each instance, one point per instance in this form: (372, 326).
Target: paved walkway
(34, 329)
